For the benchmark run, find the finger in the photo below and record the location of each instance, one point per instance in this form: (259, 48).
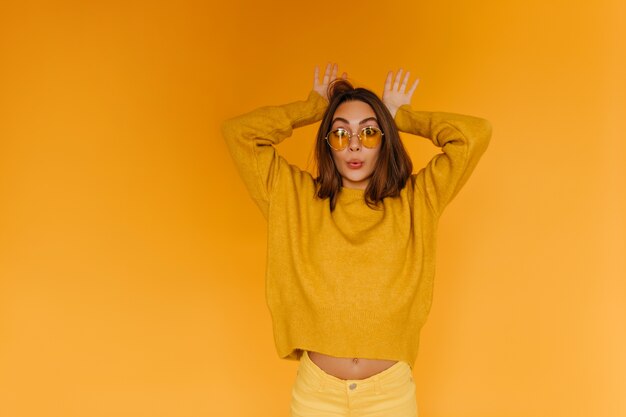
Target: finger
(327, 73)
(405, 81)
(334, 73)
(344, 76)
(388, 81)
(413, 87)
(316, 75)
(396, 83)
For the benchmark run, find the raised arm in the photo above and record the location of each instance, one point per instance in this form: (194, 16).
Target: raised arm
(463, 140)
(251, 137)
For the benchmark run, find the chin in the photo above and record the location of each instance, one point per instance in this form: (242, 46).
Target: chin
(360, 182)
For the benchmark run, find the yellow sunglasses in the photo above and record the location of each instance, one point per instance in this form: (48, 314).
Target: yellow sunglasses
(339, 139)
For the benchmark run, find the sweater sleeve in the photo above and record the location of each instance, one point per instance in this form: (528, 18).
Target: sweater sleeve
(251, 138)
(463, 140)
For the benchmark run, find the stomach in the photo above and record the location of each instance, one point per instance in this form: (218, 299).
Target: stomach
(349, 368)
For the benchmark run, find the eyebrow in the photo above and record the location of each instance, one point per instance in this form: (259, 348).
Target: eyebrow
(341, 119)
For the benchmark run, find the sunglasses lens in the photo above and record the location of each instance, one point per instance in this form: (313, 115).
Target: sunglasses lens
(370, 137)
(338, 139)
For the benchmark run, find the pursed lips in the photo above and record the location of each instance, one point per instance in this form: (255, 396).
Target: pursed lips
(355, 163)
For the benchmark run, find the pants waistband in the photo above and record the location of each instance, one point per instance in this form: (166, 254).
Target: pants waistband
(397, 374)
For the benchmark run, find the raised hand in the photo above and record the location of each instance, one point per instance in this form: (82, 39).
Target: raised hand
(329, 76)
(395, 95)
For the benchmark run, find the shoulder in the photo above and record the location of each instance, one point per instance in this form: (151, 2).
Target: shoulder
(292, 179)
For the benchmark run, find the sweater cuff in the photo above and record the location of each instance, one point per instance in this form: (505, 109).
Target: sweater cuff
(414, 122)
(307, 112)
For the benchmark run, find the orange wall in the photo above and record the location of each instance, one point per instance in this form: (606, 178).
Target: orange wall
(132, 259)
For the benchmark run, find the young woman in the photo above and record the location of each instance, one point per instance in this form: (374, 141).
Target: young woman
(351, 252)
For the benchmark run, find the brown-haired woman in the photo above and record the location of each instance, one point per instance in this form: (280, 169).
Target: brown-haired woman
(351, 252)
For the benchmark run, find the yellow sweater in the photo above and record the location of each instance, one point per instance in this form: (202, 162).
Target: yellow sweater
(355, 282)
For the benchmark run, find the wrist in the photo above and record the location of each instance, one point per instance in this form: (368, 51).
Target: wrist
(319, 93)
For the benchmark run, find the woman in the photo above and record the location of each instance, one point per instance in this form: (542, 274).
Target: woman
(351, 253)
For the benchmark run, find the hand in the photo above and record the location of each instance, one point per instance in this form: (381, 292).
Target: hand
(396, 96)
(330, 75)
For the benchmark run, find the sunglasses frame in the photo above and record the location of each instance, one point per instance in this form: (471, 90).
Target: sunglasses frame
(352, 134)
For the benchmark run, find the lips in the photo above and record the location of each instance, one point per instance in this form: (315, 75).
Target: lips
(355, 164)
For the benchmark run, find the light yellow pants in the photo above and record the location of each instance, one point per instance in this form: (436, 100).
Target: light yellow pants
(391, 393)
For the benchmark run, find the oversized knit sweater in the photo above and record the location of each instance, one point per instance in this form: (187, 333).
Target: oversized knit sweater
(355, 281)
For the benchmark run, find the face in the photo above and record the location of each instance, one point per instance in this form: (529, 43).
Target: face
(356, 162)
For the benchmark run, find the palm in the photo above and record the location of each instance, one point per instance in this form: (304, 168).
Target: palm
(395, 94)
(330, 75)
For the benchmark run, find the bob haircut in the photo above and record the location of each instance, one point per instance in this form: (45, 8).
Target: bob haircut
(393, 167)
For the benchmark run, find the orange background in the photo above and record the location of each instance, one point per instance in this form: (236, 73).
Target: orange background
(132, 259)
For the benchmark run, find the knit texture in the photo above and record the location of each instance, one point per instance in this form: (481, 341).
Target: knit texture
(357, 281)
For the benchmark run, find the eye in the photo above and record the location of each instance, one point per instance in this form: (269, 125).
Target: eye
(341, 133)
(369, 131)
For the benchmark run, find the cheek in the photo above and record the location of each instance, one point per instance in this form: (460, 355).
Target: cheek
(336, 157)
(374, 155)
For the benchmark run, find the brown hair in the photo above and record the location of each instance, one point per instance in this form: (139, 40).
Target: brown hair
(393, 167)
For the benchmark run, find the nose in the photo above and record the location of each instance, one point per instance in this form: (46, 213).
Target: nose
(355, 142)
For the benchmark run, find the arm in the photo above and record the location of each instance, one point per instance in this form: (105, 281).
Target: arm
(251, 138)
(463, 140)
